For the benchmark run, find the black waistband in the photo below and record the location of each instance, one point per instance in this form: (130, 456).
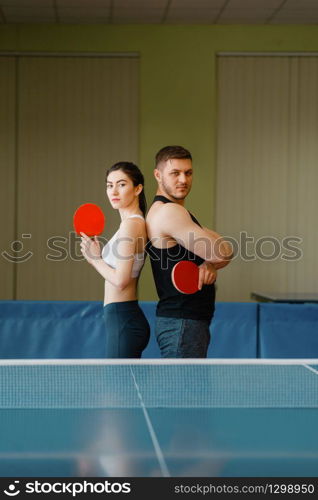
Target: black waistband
(126, 305)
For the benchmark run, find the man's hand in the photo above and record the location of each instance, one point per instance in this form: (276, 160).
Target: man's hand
(207, 274)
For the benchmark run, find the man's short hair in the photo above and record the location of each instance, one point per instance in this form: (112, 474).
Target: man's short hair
(172, 153)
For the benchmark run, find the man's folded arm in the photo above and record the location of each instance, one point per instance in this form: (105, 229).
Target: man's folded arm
(225, 249)
(175, 221)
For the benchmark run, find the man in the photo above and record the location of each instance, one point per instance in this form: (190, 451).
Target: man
(182, 323)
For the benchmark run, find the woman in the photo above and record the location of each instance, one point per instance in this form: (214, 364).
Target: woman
(121, 261)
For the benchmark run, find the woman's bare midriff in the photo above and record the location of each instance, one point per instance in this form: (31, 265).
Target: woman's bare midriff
(113, 294)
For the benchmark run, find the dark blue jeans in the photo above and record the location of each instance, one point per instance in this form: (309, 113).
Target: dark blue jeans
(182, 338)
(127, 330)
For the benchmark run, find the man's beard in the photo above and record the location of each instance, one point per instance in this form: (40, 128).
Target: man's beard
(173, 194)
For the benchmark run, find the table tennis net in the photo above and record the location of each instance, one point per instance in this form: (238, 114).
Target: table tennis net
(158, 384)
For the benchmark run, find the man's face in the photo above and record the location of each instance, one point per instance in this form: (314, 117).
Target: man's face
(175, 178)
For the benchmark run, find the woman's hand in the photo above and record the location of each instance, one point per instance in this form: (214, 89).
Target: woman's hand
(90, 248)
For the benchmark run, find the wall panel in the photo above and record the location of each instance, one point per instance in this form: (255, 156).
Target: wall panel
(77, 117)
(267, 171)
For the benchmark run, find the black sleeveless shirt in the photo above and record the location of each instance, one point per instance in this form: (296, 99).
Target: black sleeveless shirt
(174, 304)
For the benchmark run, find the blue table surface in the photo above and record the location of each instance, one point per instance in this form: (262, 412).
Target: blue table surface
(155, 420)
(290, 297)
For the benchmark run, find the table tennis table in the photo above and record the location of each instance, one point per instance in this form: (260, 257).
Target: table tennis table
(158, 418)
(288, 297)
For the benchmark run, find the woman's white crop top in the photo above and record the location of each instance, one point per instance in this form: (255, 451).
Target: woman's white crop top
(109, 253)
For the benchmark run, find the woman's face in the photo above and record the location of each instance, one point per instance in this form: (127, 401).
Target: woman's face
(120, 189)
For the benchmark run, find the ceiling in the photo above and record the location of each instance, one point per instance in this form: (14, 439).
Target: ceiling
(160, 11)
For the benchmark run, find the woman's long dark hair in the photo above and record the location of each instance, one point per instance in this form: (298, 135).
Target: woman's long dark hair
(136, 177)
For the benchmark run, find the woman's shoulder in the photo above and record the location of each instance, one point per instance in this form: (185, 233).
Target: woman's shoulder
(132, 226)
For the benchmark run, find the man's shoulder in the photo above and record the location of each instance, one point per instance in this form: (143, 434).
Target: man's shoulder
(160, 209)
(164, 220)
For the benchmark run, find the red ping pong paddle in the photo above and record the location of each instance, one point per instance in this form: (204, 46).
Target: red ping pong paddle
(185, 277)
(89, 219)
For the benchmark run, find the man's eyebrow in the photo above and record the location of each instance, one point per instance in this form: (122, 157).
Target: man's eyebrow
(179, 170)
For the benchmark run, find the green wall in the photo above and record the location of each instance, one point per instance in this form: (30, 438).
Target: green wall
(177, 85)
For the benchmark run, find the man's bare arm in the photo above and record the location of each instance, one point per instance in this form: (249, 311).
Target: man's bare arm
(174, 221)
(227, 249)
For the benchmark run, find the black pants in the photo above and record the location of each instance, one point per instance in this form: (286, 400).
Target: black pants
(127, 330)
